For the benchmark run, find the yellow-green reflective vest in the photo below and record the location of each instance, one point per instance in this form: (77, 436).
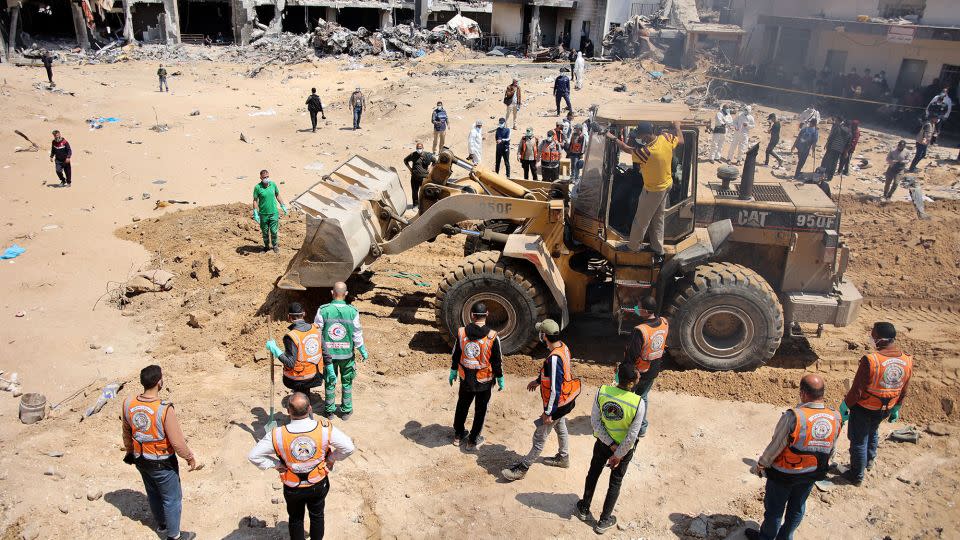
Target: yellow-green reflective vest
(618, 408)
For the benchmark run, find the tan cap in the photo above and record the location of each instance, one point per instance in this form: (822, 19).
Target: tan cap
(549, 327)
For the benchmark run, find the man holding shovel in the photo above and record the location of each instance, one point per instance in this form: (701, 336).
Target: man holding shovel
(302, 354)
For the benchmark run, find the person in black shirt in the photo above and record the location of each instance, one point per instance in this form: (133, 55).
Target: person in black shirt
(503, 146)
(60, 155)
(774, 132)
(47, 60)
(419, 163)
(477, 361)
(314, 106)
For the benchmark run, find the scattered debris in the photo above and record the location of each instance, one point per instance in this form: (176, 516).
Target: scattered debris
(149, 281)
(215, 266)
(160, 128)
(632, 40)
(195, 112)
(242, 138)
(109, 392)
(939, 429)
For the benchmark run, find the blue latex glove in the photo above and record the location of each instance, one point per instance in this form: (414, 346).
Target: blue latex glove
(500, 383)
(329, 376)
(363, 352)
(256, 216)
(894, 414)
(274, 349)
(453, 376)
(844, 411)
(284, 209)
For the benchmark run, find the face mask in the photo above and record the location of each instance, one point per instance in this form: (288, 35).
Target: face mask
(265, 181)
(419, 150)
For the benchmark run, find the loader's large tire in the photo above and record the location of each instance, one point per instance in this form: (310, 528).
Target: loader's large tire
(473, 244)
(515, 299)
(725, 317)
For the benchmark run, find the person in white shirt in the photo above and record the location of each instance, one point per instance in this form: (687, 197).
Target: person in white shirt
(808, 114)
(303, 452)
(720, 123)
(579, 66)
(741, 134)
(475, 143)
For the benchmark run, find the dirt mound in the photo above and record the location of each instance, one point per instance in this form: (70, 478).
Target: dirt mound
(237, 310)
(226, 309)
(896, 255)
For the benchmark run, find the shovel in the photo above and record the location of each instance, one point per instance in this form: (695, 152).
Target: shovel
(271, 422)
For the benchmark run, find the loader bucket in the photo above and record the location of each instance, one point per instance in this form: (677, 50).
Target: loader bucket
(348, 213)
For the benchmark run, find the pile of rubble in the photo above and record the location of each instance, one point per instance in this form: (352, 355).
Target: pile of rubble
(632, 40)
(329, 38)
(400, 40)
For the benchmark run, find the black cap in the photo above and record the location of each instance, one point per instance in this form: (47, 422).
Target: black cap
(648, 303)
(644, 128)
(884, 330)
(295, 309)
(626, 372)
(479, 309)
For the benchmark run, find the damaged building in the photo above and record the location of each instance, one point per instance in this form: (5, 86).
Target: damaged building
(521, 24)
(95, 23)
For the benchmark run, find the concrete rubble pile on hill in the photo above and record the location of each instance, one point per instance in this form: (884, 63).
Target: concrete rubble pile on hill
(327, 39)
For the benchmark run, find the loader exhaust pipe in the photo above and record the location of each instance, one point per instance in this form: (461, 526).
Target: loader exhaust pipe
(749, 170)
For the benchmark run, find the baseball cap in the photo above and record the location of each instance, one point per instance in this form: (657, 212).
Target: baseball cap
(295, 309)
(644, 128)
(478, 309)
(549, 327)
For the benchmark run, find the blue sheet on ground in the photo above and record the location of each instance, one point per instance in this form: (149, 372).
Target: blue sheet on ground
(12, 252)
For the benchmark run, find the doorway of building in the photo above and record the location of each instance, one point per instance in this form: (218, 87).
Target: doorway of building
(353, 18)
(836, 61)
(200, 19)
(910, 76)
(146, 22)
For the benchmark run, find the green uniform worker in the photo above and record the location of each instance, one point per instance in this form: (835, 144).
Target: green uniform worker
(266, 196)
(339, 325)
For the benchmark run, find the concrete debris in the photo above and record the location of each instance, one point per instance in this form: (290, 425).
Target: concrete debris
(632, 40)
(939, 429)
(698, 528)
(94, 494)
(253, 522)
(399, 41)
(149, 281)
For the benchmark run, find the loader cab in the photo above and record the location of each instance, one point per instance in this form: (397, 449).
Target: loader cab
(604, 201)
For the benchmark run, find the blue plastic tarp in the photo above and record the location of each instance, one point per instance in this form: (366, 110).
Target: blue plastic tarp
(12, 252)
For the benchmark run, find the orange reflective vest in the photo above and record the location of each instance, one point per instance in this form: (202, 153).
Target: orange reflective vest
(570, 388)
(303, 454)
(811, 443)
(654, 343)
(550, 152)
(558, 135)
(524, 153)
(888, 374)
(576, 144)
(309, 354)
(475, 354)
(145, 419)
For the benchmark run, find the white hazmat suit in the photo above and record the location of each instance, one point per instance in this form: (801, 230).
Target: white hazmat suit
(579, 65)
(721, 123)
(741, 134)
(475, 143)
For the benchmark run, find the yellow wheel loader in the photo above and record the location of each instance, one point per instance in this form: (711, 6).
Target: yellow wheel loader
(743, 259)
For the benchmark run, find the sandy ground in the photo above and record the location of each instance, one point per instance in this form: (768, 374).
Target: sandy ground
(405, 480)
